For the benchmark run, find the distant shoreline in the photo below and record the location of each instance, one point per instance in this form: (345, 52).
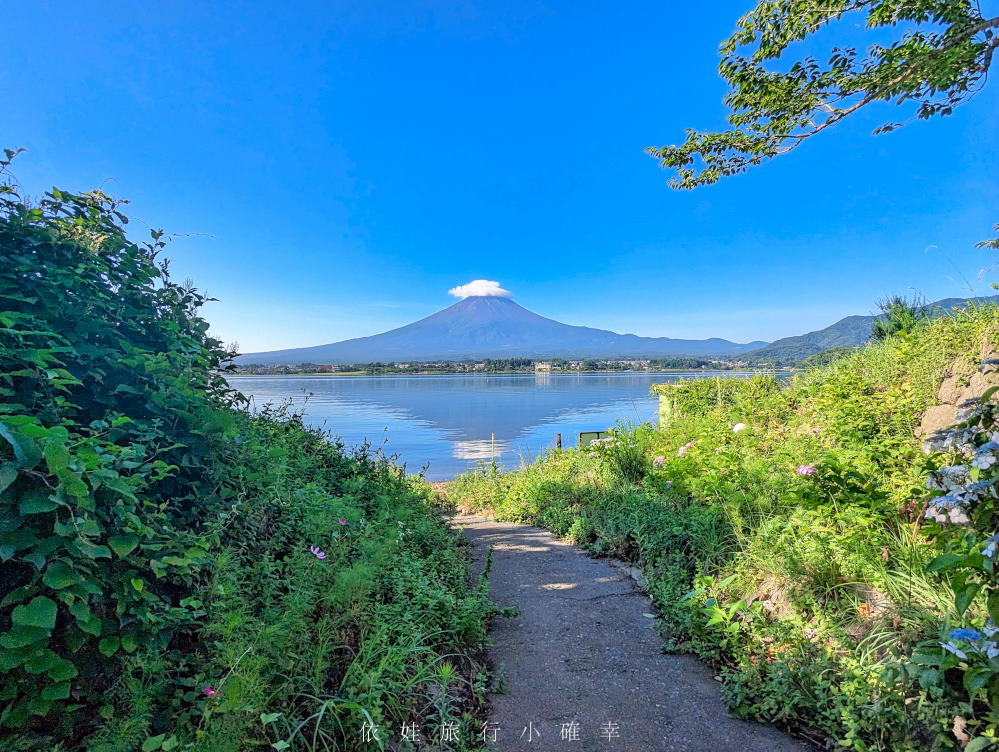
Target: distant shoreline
(479, 374)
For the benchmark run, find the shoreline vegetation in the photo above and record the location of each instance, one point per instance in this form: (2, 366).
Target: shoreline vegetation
(178, 573)
(797, 537)
(504, 366)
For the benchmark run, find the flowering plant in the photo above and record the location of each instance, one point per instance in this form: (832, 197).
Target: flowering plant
(963, 509)
(625, 450)
(964, 504)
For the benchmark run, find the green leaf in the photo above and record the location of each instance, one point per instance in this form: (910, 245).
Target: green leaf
(19, 636)
(925, 659)
(978, 744)
(123, 545)
(85, 618)
(138, 584)
(281, 745)
(976, 678)
(41, 613)
(58, 691)
(91, 550)
(965, 596)
(266, 718)
(129, 643)
(36, 501)
(59, 575)
(81, 610)
(992, 604)
(8, 474)
(42, 661)
(25, 450)
(10, 659)
(929, 677)
(944, 561)
(65, 670)
(152, 743)
(109, 646)
(74, 638)
(56, 456)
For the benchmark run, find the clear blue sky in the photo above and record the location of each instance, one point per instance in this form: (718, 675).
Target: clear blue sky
(344, 164)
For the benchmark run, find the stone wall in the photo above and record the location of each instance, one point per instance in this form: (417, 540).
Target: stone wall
(961, 388)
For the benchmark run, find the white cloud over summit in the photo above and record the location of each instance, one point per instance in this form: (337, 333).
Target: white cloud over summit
(480, 287)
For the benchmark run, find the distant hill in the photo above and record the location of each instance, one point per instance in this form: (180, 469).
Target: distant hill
(851, 331)
(494, 327)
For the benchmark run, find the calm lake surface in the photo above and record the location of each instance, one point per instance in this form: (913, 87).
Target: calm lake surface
(446, 423)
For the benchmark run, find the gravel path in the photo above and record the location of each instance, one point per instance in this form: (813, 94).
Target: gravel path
(583, 652)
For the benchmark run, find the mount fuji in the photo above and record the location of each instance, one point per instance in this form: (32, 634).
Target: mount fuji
(493, 326)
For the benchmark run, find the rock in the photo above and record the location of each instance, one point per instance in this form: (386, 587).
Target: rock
(950, 390)
(936, 419)
(636, 574)
(976, 387)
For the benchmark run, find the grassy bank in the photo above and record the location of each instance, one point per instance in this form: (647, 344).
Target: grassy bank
(792, 550)
(178, 574)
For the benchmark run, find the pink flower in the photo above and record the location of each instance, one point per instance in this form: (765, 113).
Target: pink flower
(319, 554)
(342, 521)
(724, 472)
(806, 470)
(658, 461)
(209, 691)
(690, 443)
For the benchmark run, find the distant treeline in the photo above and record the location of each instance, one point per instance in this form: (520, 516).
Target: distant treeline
(493, 365)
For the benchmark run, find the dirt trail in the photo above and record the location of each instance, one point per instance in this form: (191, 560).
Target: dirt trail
(582, 651)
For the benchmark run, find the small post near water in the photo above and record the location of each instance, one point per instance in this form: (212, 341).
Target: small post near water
(558, 441)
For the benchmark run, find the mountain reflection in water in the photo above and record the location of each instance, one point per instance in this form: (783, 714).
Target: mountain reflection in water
(452, 422)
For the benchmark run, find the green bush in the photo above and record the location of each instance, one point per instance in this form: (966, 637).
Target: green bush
(111, 391)
(160, 547)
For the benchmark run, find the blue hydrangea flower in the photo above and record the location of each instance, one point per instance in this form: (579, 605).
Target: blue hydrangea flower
(968, 635)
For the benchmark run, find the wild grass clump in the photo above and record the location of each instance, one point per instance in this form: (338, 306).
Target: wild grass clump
(782, 536)
(178, 574)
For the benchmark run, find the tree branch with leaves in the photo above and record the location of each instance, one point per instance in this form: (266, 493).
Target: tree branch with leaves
(939, 59)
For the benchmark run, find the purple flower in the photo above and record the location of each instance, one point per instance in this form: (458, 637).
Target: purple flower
(209, 691)
(806, 470)
(319, 554)
(342, 521)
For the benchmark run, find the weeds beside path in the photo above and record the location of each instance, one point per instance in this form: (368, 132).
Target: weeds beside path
(583, 650)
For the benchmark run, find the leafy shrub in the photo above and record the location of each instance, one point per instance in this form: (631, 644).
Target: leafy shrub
(898, 315)
(626, 450)
(111, 389)
(160, 547)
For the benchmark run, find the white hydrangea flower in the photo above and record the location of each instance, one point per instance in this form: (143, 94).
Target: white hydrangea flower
(958, 517)
(950, 647)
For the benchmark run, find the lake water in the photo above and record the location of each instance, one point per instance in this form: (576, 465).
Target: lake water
(449, 423)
